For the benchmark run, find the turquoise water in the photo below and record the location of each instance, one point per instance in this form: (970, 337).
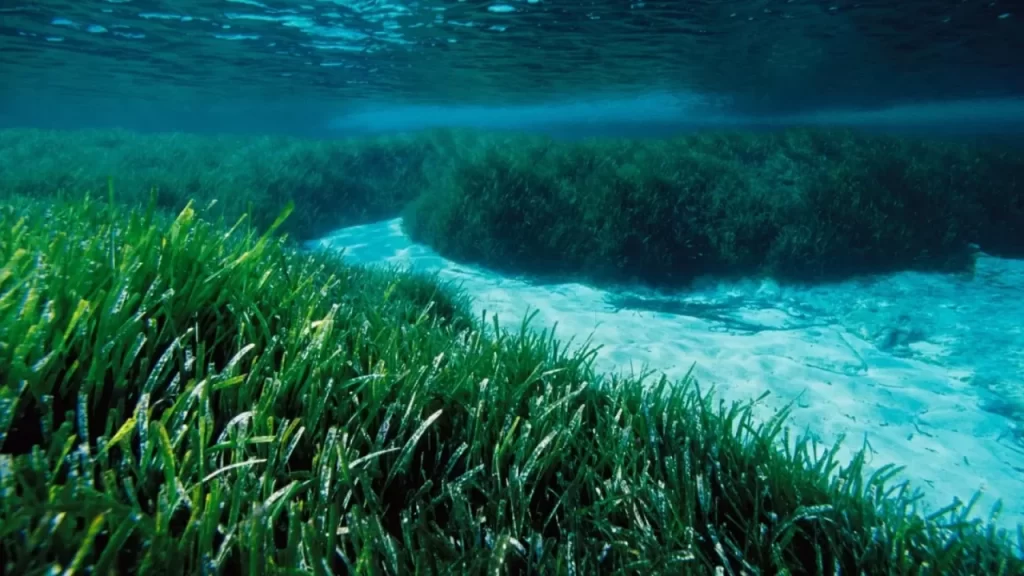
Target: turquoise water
(320, 67)
(927, 369)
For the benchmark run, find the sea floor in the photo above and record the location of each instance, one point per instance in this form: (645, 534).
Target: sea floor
(928, 369)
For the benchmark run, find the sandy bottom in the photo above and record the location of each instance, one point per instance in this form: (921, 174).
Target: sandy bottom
(927, 369)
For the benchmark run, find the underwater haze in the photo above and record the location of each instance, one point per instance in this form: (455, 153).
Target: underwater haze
(512, 286)
(240, 65)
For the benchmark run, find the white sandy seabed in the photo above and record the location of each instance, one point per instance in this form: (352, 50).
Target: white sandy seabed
(918, 365)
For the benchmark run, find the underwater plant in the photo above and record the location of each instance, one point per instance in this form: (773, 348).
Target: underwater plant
(182, 396)
(799, 205)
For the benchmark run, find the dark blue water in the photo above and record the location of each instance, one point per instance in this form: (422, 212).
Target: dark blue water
(566, 67)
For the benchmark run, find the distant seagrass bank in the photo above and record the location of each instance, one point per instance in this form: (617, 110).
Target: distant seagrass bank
(800, 204)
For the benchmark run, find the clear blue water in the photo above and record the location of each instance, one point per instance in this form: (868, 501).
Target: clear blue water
(570, 67)
(588, 67)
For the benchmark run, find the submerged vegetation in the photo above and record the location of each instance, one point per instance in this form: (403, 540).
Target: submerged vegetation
(798, 204)
(184, 397)
(332, 183)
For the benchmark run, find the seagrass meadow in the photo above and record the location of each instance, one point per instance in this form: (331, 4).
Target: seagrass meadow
(187, 391)
(190, 395)
(333, 182)
(801, 205)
